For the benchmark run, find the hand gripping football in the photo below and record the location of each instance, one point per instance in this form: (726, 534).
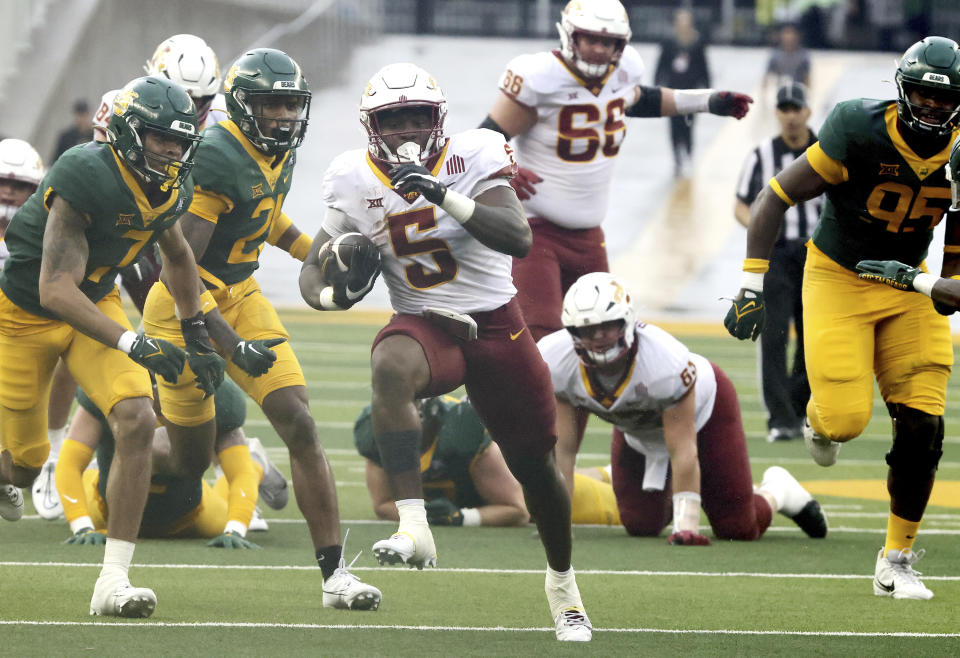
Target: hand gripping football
(350, 263)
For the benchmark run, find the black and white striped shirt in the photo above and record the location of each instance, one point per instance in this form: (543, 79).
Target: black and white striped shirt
(765, 162)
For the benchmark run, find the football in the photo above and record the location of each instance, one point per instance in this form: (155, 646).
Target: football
(340, 253)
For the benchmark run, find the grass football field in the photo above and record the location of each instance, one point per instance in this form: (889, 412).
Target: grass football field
(783, 595)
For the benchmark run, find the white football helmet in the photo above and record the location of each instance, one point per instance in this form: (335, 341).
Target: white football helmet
(188, 60)
(19, 162)
(398, 86)
(594, 299)
(602, 18)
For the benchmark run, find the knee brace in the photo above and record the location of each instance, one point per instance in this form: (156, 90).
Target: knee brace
(917, 441)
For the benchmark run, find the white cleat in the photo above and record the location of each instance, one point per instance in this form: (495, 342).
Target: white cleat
(257, 522)
(896, 577)
(45, 497)
(274, 490)
(122, 600)
(345, 591)
(413, 546)
(11, 502)
(823, 450)
(798, 505)
(573, 625)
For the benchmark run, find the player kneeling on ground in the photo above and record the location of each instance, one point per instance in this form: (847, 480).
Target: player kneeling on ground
(677, 421)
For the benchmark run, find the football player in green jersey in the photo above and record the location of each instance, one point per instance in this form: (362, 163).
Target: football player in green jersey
(242, 175)
(881, 165)
(96, 209)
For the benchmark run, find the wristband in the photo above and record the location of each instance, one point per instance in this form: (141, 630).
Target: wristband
(326, 300)
(471, 516)
(760, 265)
(686, 511)
(752, 281)
(125, 344)
(458, 206)
(236, 528)
(692, 101)
(923, 282)
(80, 523)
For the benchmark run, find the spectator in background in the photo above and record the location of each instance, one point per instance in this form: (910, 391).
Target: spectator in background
(789, 60)
(785, 393)
(682, 65)
(80, 132)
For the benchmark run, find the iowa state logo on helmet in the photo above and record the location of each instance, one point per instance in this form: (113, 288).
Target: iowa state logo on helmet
(123, 100)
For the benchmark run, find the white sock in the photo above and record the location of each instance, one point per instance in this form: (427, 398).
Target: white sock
(56, 440)
(411, 511)
(117, 556)
(562, 591)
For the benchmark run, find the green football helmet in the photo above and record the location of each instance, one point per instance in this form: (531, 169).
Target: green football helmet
(953, 173)
(158, 106)
(268, 78)
(931, 66)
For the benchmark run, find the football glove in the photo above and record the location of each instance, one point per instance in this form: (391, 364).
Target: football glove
(442, 511)
(86, 537)
(206, 364)
(255, 357)
(745, 318)
(523, 182)
(729, 104)
(409, 177)
(350, 269)
(890, 272)
(688, 538)
(158, 356)
(231, 540)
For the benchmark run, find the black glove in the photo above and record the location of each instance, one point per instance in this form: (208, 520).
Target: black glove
(86, 537)
(255, 357)
(729, 104)
(745, 318)
(350, 263)
(442, 511)
(231, 540)
(408, 177)
(159, 356)
(890, 272)
(206, 364)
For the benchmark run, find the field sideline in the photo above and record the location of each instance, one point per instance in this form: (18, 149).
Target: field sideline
(783, 595)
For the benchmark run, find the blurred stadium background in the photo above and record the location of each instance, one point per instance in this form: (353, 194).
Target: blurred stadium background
(679, 234)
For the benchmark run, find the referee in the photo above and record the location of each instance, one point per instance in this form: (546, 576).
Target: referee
(785, 393)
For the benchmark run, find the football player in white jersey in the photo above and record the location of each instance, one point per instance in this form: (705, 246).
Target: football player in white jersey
(677, 424)
(187, 60)
(21, 171)
(445, 222)
(566, 113)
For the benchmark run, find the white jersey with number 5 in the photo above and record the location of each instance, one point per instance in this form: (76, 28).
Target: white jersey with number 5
(428, 257)
(662, 372)
(577, 134)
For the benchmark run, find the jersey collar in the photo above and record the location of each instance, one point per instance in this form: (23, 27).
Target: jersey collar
(593, 85)
(595, 390)
(263, 160)
(380, 169)
(148, 212)
(921, 167)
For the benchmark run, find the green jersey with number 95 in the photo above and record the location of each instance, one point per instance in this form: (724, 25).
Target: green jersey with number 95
(241, 190)
(884, 199)
(120, 222)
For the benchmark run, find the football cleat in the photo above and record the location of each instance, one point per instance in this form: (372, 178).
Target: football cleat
(798, 505)
(122, 600)
(345, 591)
(783, 434)
(273, 489)
(896, 577)
(823, 450)
(11, 502)
(413, 546)
(45, 497)
(257, 522)
(573, 625)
